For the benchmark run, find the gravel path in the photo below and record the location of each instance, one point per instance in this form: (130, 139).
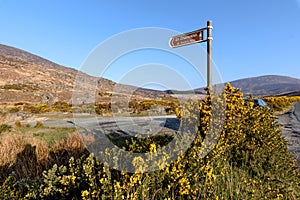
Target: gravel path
(290, 126)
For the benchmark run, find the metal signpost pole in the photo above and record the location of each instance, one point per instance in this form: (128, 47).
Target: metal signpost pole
(209, 55)
(197, 37)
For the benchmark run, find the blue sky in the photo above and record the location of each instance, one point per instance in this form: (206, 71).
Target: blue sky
(251, 38)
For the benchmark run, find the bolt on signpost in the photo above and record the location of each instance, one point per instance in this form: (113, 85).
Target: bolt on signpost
(197, 37)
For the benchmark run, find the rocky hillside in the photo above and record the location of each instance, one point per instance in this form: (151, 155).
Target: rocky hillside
(25, 77)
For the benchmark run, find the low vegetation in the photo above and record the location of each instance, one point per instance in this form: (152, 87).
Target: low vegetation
(25, 152)
(249, 161)
(4, 128)
(281, 103)
(103, 109)
(19, 87)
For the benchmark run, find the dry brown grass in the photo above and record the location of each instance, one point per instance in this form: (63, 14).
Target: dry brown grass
(28, 157)
(73, 141)
(8, 117)
(88, 138)
(39, 124)
(10, 146)
(42, 149)
(17, 123)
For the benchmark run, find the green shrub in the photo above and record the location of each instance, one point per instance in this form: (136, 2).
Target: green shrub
(140, 145)
(15, 109)
(61, 106)
(145, 105)
(14, 86)
(102, 108)
(4, 128)
(19, 87)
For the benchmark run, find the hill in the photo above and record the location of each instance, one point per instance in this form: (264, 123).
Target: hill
(269, 85)
(25, 77)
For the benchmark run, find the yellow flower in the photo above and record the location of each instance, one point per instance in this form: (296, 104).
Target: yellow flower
(279, 196)
(85, 194)
(152, 147)
(184, 186)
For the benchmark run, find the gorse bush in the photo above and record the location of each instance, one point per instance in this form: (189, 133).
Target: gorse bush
(61, 106)
(36, 108)
(279, 103)
(139, 106)
(141, 145)
(249, 160)
(134, 106)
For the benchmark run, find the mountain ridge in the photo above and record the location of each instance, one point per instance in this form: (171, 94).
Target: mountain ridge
(20, 54)
(25, 77)
(267, 85)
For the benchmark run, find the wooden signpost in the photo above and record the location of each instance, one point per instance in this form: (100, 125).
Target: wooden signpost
(197, 37)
